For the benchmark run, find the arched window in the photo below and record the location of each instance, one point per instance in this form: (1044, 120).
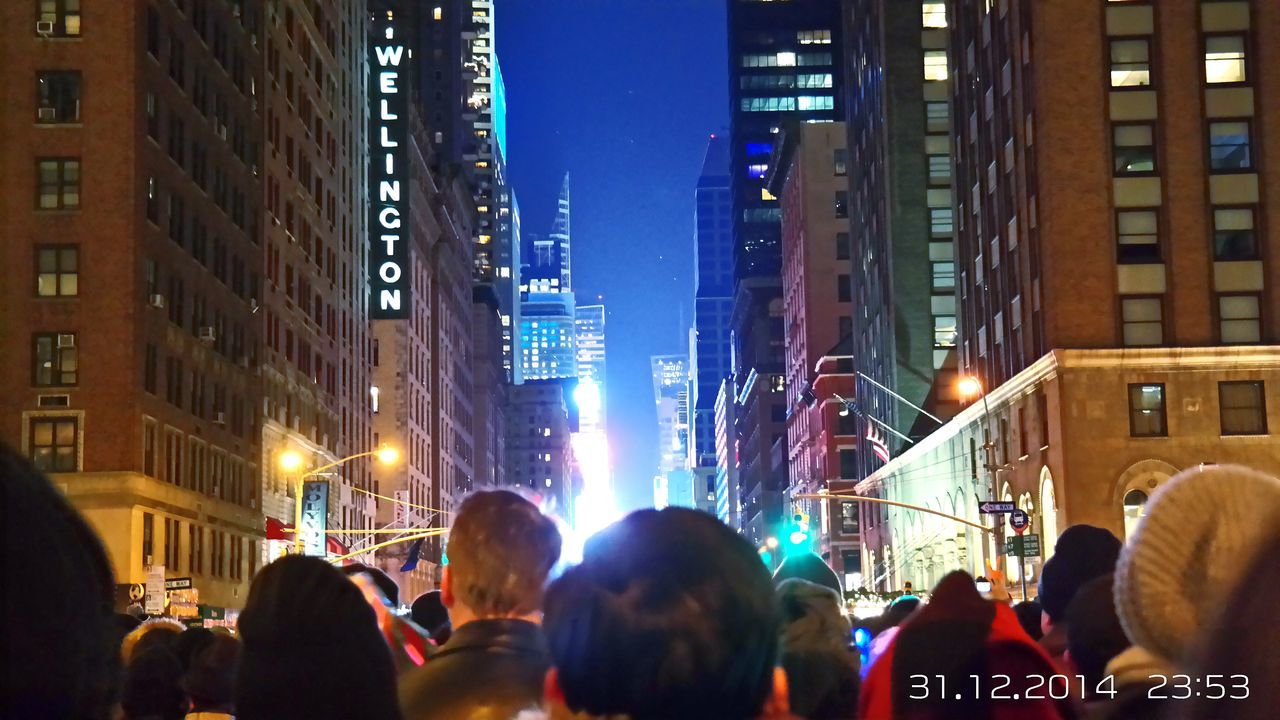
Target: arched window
(1135, 506)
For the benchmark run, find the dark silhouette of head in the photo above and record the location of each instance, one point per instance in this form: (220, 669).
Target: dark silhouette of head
(61, 658)
(1028, 612)
(501, 549)
(808, 566)
(210, 680)
(384, 583)
(312, 648)
(1094, 634)
(1082, 553)
(671, 614)
(152, 688)
(429, 613)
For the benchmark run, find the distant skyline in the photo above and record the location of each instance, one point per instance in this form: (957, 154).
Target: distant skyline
(622, 95)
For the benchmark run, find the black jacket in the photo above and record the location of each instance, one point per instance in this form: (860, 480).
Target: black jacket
(489, 670)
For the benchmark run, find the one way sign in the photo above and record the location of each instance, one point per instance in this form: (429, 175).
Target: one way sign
(991, 507)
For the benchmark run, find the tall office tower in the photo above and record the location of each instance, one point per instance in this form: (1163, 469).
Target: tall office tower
(508, 285)
(782, 66)
(809, 174)
(671, 395)
(130, 194)
(315, 310)
(547, 322)
(713, 299)
(538, 432)
(1115, 275)
(728, 501)
(904, 333)
(559, 236)
(590, 349)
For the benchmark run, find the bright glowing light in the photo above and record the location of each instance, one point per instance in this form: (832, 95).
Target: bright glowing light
(387, 455)
(594, 507)
(969, 387)
(587, 396)
(291, 461)
(771, 542)
(798, 536)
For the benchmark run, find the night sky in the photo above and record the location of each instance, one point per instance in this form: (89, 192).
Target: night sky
(622, 94)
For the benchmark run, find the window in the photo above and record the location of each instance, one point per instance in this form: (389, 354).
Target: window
(58, 184)
(153, 32)
(935, 64)
(1134, 148)
(937, 117)
(849, 516)
(1135, 506)
(150, 369)
(177, 219)
(944, 331)
(844, 289)
(148, 536)
(54, 360)
(848, 463)
(1224, 59)
(768, 104)
(941, 222)
(1137, 236)
(842, 246)
(62, 16)
(153, 117)
(58, 271)
(814, 37)
(815, 102)
(54, 444)
(943, 274)
(1233, 234)
(1130, 62)
(842, 204)
(1243, 407)
(935, 14)
(810, 81)
(177, 62)
(58, 97)
(1229, 145)
(1239, 319)
(939, 169)
(757, 170)
(840, 159)
(1142, 319)
(1147, 411)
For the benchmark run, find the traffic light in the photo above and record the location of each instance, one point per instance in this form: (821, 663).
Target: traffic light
(798, 533)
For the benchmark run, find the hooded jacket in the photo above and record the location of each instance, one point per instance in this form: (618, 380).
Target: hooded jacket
(959, 634)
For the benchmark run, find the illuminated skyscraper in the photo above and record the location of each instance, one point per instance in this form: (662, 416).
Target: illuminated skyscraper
(547, 321)
(590, 349)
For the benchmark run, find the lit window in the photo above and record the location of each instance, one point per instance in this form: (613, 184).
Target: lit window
(944, 331)
(786, 59)
(1135, 505)
(815, 102)
(944, 275)
(58, 271)
(1147, 411)
(1130, 62)
(1134, 149)
(1234, 237)
(54, 444)
(758, 170)
(1239, 319)
(935, 64)
(937, 116)
(58, 184)
(55, 360)
(814, 37)
(1137, 236)
(941, 222)
(58, 17)
(1229, 145)
(935, 15)
(1224, 59)
(437, 13)
(1143, 321)
(766, 195)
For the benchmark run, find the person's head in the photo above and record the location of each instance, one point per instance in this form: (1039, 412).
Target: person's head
(671, 614)
(1240, 645)
(152, 687)
(312, 649)
(822, 670)
(210, 681)
(1082, 553)
(429, 613)
(189, 643)
(60, 659)
(384, 583)
(1028, 612)
(808, 566)
(1200, 531)
(898, 611)
(156, 631)
(1094, 635)
(501, 548)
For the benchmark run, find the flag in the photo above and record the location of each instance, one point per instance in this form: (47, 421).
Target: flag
(877, 443)
(414, 552)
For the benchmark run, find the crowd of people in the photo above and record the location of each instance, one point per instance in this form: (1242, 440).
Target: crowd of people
(670, 614)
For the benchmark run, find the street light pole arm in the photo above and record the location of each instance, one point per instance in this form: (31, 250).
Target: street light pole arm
(336, 463)
(882, 501)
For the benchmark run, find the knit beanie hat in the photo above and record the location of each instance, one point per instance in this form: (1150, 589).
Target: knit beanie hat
(808, 566)
(211, 679)
(1201, 529)
(1082, 553)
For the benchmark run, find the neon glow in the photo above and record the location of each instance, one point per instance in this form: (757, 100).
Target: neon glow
(389, 284)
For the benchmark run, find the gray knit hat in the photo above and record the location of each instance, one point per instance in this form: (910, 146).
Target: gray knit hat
(1201, 530)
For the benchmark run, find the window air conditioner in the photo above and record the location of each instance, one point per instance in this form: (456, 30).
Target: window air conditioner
(206, 333)
(66, 341)
(220, 418)
(44, 27)
(156, 300)
(47, 114)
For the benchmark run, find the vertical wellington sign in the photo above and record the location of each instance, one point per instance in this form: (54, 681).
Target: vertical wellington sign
(388, 173)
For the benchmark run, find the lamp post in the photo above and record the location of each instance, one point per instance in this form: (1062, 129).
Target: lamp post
(970, 387)
(292, 461)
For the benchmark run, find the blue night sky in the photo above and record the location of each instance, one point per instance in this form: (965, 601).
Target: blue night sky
(622, 94)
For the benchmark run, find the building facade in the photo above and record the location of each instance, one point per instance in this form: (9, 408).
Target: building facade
(728, 499)
(809, 173)
(590, 350)
(539, 455)
(132, 198)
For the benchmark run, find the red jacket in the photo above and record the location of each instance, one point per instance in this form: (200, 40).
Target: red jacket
(958, 636)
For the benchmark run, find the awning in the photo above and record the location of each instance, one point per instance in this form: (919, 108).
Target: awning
(277, 530)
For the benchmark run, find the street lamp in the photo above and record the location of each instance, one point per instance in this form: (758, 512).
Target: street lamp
(292, 461)
(969, 386)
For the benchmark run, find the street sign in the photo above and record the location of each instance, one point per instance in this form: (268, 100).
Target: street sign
(182, 583)
(1022, 546)
(1019, 520)
(154, 604)
(137, 591)
(991, 507)
(315, 517)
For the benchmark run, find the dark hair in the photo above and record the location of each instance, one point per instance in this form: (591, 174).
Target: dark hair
(151, 686)
(1242, 642)
(501, 548)
(1028, 612)
(1094, 634)
(312, 649)
(1082, 553)
(61, 661)
(430, 614)
(670, 615)
(808, 566)
(822, 670)
(189, 644)
(385, 584)
(210, 679)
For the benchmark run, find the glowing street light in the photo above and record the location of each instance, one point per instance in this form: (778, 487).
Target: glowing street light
(969, 386)
(291, 461)
(771, 542)
(387, 455)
